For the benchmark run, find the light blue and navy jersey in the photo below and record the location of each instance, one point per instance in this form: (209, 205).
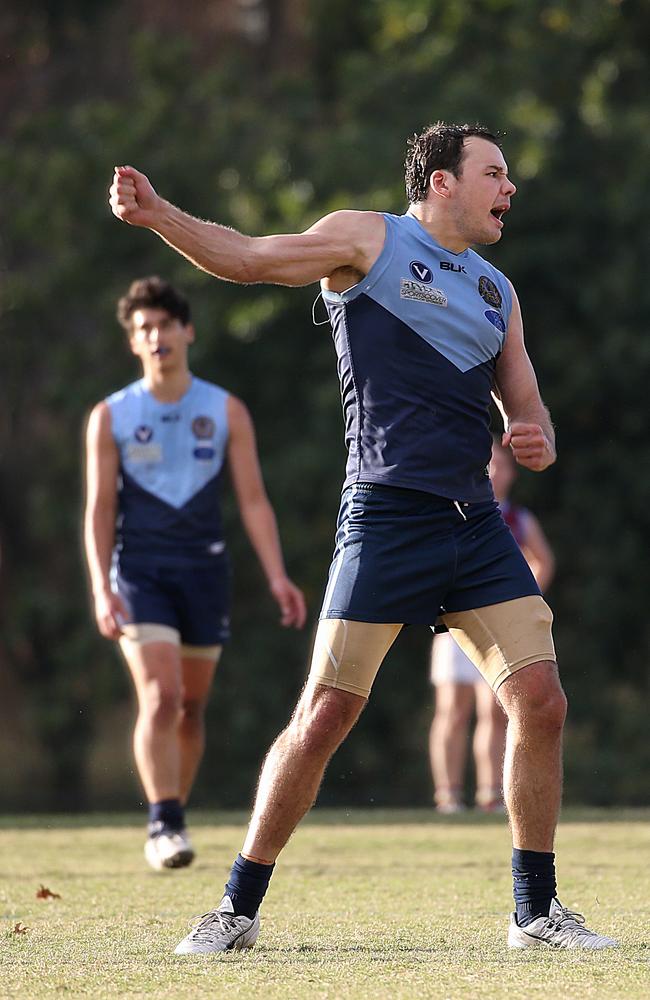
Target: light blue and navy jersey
(171, 459)
(417, 342)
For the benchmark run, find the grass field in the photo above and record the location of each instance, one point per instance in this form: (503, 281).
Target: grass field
(363, 905)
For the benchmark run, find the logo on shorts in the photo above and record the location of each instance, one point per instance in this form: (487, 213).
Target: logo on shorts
(489, 291)
(143, 433)
(496, 319)
(421, 272)
(418, 292)
(203, 427)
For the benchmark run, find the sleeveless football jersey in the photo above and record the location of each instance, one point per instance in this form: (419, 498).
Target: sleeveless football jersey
(171, 458)
(417, 342)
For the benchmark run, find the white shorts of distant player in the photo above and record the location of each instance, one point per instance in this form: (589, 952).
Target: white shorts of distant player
(449, 665)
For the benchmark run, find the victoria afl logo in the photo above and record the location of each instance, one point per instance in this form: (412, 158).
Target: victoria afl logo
(421, 272)
(143, 433)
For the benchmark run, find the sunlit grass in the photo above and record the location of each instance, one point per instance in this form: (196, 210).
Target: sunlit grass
(363, 905)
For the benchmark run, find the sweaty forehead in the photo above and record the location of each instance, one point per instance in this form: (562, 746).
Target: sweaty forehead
(483, 153)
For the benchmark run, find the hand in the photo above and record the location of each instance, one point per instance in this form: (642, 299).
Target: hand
(132, 198)
(530, 446)
(290, 601)
(110, 614)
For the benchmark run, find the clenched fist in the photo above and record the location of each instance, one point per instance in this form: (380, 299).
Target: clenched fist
(133, 199)
(530, 446)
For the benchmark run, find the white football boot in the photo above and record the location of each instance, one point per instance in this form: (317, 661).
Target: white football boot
(168, 849)
(561, 929)
(220, 930)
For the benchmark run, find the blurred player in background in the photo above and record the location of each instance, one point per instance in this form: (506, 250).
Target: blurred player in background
(460, 688)
(424, 329)
(154, 542)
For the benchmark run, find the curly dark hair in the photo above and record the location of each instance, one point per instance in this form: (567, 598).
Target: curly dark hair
(438, 147)
(152, 293)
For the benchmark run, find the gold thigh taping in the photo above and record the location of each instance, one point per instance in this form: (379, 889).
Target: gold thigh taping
(143, 632)
(347, 655)
(502, 638)
(202, 652)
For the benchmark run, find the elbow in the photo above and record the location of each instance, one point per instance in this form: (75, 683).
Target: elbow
(250, 267)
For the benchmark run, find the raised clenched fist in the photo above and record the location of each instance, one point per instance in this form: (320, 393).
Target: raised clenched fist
(133, 199)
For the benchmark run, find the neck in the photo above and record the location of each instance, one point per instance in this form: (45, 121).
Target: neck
(443, 230)
(168, 387)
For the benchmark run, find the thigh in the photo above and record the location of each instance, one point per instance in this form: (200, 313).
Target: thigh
(202, 600)
(146, 596)
(394, 556)
(502, 638)
(490, 566)
(347, 654)
(198, 671)
(154, 666)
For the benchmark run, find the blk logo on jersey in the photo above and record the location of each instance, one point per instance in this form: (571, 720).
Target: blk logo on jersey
(448, 265)
(421, 272)
(143, 433)
(204, 454)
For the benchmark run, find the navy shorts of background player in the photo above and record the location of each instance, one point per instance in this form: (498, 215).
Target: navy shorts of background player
(419, 530)
(170, 564)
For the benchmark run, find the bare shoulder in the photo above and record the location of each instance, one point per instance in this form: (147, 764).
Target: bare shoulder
(238, 414)
(99, 421)
(352, 226)
(364, 233)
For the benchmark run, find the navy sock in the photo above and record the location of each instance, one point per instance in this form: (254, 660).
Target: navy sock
(169, 812)
(247, 885)
(533, 874)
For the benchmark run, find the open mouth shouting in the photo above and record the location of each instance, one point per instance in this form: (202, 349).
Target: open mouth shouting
(498, 212)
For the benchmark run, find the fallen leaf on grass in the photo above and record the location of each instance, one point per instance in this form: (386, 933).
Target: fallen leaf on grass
(45, 893)
(20, 928)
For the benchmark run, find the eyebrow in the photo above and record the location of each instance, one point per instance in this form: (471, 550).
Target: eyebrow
(501, 170)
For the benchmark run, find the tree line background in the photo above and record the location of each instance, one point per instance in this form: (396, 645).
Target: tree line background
(264, 115)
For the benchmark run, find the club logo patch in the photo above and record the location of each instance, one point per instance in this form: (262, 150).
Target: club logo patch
(143, 433)
(203, 427)
(418, 292)
(489, 292)
(421, 272)
(496, 319)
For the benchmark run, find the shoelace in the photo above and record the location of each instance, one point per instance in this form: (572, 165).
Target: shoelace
(208, 926)
(575, 921)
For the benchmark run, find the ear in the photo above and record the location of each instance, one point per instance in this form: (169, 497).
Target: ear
(133, 345)
(440, 183)
(190, 333)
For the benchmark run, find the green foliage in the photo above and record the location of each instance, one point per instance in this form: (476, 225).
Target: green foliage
(267, 145)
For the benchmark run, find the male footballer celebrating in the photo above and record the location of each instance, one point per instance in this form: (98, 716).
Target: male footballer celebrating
(424, 331)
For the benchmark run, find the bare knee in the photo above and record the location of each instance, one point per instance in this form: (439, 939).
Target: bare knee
(323, 718)
(533, 697)
(192, 714)
(161, 705)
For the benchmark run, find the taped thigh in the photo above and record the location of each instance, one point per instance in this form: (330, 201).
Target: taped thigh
(502, 638)
(347, 654)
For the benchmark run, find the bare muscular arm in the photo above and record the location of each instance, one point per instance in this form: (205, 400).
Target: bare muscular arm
(342, 240)
(529, 430)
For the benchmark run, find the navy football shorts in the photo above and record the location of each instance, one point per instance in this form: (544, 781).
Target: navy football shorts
(194, 600)
(405, 557)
